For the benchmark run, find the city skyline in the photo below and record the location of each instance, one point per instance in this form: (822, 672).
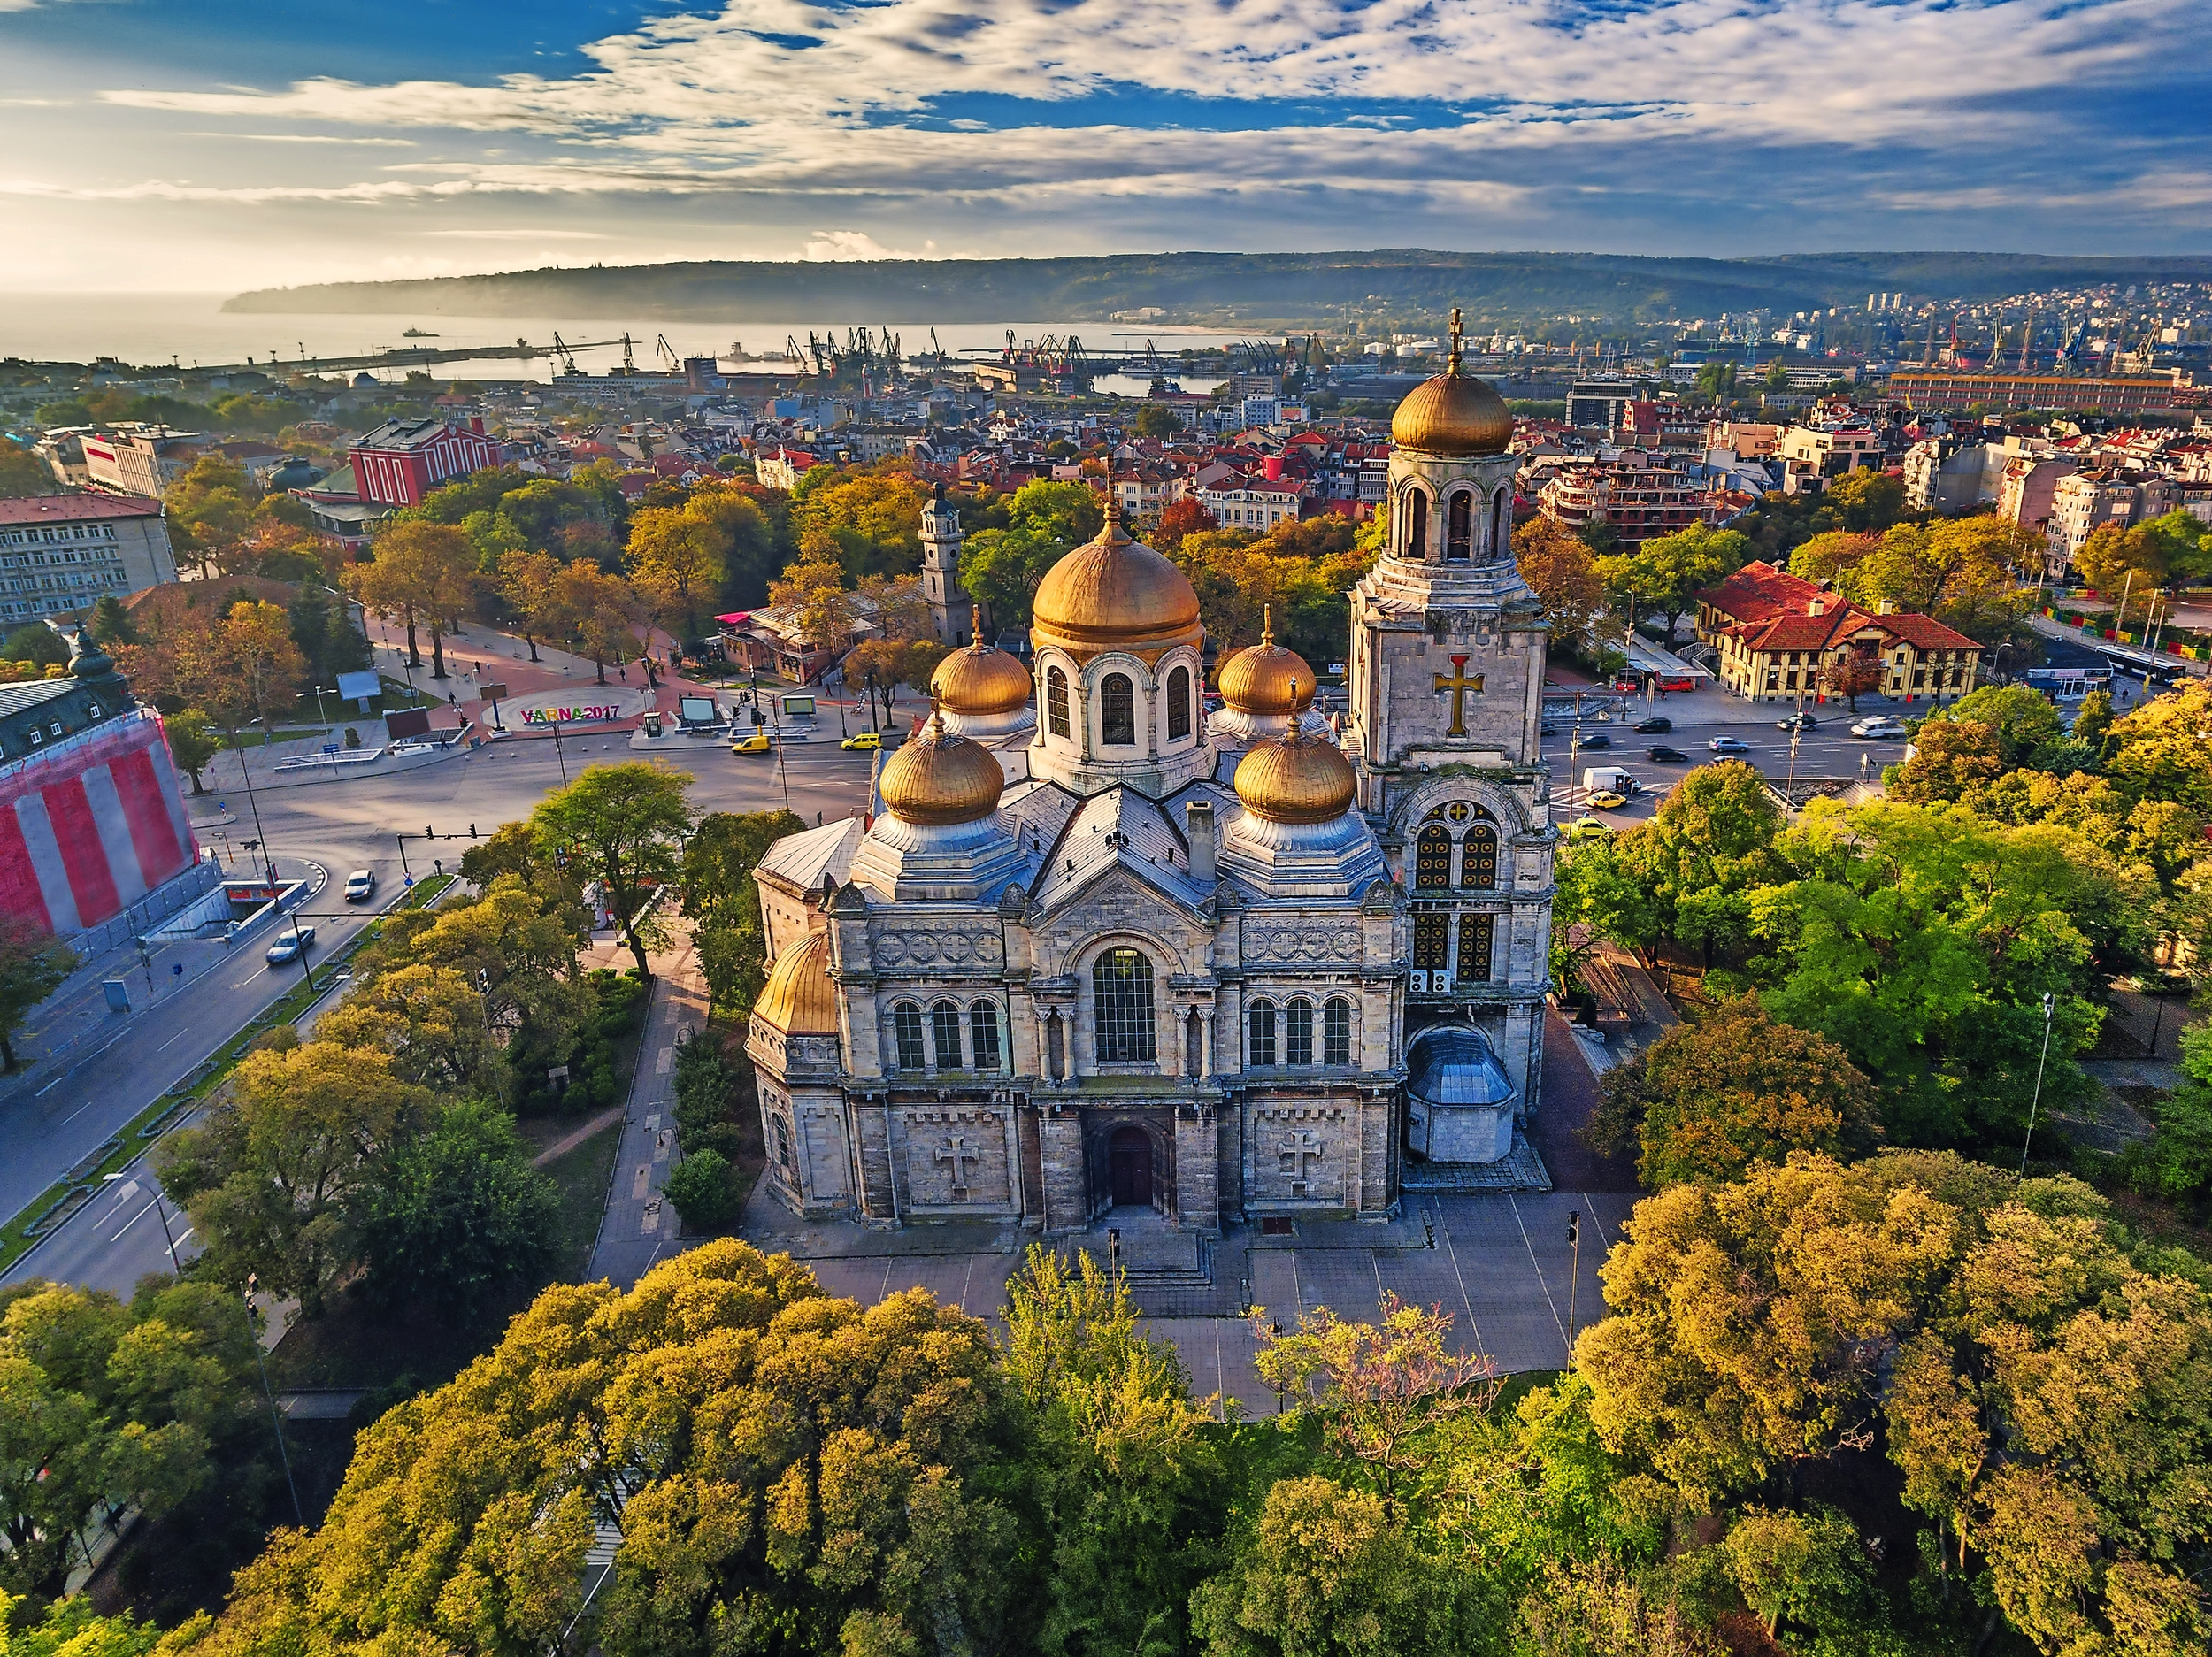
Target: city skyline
(425, 139)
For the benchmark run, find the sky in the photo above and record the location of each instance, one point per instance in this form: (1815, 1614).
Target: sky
(204, 145)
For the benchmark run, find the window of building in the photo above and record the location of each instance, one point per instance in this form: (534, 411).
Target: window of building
(1262, 1034)
(906, 1025)
(1417, 528)
(1121, 988)
(1432, 858)
(783, 1142)
(1178, 704)
(944, 1034)
(1474, 947)
(1118, 711)
(1298, 1032)
(1497, 525)
(1057, 702)
(1478, 857)
(1429, 933)
(1459, 532)
(1336, 1031)
(983, 1035)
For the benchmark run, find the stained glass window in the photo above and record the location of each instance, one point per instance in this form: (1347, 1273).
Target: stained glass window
(1121, 987)
(1118, 711)
(906, 1025)
(1057, 702)
(1474, 947)
(1432, 858)
(1478, 857)
(1429, 933)
(1298, 1033)
(1336, 1031)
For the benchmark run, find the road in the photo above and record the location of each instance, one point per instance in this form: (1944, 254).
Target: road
(1831, 750)
(337, 824)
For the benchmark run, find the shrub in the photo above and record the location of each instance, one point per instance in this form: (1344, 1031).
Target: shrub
(703, 1192)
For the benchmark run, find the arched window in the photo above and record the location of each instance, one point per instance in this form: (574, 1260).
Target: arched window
(1298, 1032)
(1432, 858)
(1194, 1044)
(783, 1140)
(1474, 948)
(1057, 702)
(1263, 1035)
(1178, 704)
(983, 1035)
(1428, 942)
(1417, 523)
(906, 1025)
(1500, 518)
(1336, 1031)
(1118, 711)
(944, 1035)
(1459, 530)
(1478, 857)
(1121, 1008)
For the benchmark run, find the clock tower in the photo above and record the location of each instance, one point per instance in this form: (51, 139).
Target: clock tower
(1446, 682)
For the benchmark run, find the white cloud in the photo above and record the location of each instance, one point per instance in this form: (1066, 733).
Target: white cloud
(832, 245)
(303, 138)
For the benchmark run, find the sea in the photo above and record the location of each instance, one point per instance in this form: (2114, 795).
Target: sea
(187, 329)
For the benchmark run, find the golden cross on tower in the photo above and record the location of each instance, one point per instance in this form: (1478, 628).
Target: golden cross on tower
(1455, 357)
(1459, 685)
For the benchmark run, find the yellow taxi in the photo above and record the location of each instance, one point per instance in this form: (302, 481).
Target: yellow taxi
(1606, 800)
(757, 743)
(1589, 828)
(867, 742)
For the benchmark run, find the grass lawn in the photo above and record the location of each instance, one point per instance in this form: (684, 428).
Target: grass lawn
(582, 1177)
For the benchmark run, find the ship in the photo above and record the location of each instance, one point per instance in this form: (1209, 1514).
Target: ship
(416, 334)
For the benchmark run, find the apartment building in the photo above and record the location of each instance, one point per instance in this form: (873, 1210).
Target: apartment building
(2088, 500)
(1829, 453)
(1638, 500)
(1241, 502)
(139, 460)
(61, 554)
(2118, 395)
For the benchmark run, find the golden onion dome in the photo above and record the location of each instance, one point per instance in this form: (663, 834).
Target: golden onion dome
(1296, 778)
(937, 778)
(980, 680)
(1453, 413)
(1112, 590)
(799, 998)
(1267, 678)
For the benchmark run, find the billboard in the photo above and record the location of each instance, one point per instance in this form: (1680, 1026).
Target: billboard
(362, 685)
(407, 722)
(697, 710)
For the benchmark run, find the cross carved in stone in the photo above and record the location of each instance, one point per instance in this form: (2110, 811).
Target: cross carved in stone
(955, 1152)
(1300, 1148)
(1459, 684)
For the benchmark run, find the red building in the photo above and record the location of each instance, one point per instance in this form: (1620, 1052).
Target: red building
(401, 461)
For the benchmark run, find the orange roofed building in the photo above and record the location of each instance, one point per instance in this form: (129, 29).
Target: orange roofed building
(1777, 634)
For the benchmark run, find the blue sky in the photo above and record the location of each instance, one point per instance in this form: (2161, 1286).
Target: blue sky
(219, 146)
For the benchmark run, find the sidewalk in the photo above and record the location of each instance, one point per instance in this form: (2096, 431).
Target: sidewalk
(638, 1227)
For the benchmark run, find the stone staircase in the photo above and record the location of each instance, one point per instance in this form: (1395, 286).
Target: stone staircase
(1154, 1256)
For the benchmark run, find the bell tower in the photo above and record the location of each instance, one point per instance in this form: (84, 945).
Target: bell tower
(950, 608)
(1446, 689)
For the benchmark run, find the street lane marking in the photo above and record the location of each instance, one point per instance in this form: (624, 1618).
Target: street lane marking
(172, 1040)
(133, 1220)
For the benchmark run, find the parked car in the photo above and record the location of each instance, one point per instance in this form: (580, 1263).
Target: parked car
(1729, 744)
(1658, 722)
(1878, 727)
(1797, 722)
(289, 946)
(361, 885)
(1667, 755)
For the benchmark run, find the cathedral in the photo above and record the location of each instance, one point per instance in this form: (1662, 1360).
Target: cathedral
(1100, 949)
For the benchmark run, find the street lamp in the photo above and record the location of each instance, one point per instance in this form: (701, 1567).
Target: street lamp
(276, 1421)
(2049, 1005)
(167, 1235)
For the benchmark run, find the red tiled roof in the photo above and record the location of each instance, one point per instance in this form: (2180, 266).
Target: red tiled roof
(62, 508)
(1758, 590)
(1924, 632)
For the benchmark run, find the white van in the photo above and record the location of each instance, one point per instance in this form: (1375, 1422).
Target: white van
(1610, 779)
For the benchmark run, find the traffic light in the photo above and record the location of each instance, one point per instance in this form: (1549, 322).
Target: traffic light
(429, 833)
(472, 831)
(1574, 1226)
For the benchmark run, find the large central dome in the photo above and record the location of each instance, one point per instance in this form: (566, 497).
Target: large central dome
(1113, 591)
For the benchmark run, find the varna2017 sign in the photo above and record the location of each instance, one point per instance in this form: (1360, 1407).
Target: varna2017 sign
(569, 716)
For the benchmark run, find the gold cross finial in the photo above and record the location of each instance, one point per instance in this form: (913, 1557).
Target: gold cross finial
(1455, 357)
(1267, 624)
(975, 625)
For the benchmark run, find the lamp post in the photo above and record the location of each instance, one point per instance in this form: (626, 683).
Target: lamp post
(2049, 1007)
(1574, 1277)
(276, 1421)
(167, 1235)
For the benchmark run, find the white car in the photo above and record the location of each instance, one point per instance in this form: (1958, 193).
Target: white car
(1879, 726)
(361, 885)
(288, 946)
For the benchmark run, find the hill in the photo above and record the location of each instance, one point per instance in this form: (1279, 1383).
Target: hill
(1192, 287)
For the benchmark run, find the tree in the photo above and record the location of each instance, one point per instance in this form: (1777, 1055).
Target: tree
(254, 652)
(273, 1175)
(71, 1627)
(210, 510)
(1178, 519)
(1156, 420)
(814, 590)
(191, 743)
(460, 1221)
(1832, 554)
(1709, 845)
(1950, 756)
(1707, 1100)
(429, 1020)
(33, 963)
(625, 822)
(1852, 676)
(1664, 573)
(1558, 566)
(1867, 500)
(704, 1188)
(1331, 1573)
(530, 583)
(601, 609)
(104, 1408)
(38, 644)
(422, 572)
(675, 561)
(724, 903)
(860, 1447)
(1809, 1569)
(111, 623)
(22, 473)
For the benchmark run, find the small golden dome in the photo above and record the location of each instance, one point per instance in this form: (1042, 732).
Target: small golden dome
(1266, 678)
(1112, 590)
(937, 778)
(980, 680)
(1296, 778)
(1453, 413)
(799, 998)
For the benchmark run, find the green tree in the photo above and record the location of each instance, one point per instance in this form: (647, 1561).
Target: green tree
(460, 1221)
(22, 473)
(626, 823)
(1809, 1569)
(1708, 846)
(2176, 1164)
(1156, 420)
(38, 644)
(111, 623)
(1663, 575)
(33, 963)
(1558, 567)
(704, 1189)
(1709, 1099)
(723, 901)
(192, 743)
(71, 1627)
(273, 1176)
(1867, 500)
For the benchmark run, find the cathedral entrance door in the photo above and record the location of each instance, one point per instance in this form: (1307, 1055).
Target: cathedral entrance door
(1129, 1159)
